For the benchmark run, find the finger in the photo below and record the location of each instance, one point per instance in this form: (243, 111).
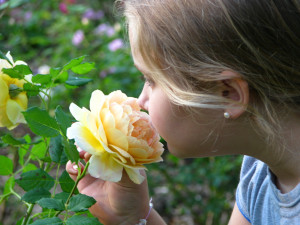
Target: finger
(127, 182)
(72, 169)
(89, 181)
(81, 154)
(87, 156)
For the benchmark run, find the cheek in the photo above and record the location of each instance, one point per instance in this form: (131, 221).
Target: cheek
(160, 117)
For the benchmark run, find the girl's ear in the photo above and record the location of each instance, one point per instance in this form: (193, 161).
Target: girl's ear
(235, 89)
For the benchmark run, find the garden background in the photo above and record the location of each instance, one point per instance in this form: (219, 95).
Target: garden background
(49, 34)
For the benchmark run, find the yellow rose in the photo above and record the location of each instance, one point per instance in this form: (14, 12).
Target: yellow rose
(117, 135)
(11, 105)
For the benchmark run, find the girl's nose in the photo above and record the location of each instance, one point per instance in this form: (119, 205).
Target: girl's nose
(143, 99)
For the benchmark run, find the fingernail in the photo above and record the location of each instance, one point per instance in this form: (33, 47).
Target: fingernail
(75, 167)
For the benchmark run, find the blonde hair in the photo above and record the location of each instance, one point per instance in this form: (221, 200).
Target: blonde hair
(186, 44)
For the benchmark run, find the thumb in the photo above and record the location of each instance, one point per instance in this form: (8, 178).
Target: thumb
(72, 170)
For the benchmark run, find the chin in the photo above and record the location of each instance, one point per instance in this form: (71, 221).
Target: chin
(179, 152)
(192, 153)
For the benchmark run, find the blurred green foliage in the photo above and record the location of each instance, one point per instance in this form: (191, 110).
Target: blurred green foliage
(49, 33)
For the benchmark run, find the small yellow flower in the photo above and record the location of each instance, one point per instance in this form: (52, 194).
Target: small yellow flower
(12, 101)
(117, 135)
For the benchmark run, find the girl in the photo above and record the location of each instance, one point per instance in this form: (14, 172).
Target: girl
(222, 77)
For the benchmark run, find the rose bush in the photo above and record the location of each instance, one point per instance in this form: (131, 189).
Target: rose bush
(117, 135)
(12, 99)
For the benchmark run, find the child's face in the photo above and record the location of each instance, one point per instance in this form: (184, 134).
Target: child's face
(185, 137)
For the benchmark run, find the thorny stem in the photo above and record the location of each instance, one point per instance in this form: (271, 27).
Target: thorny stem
(56, 182)
(80, 176)
(44, 102)
(28, 214)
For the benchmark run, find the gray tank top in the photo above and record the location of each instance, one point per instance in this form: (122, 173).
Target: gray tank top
(259, 200)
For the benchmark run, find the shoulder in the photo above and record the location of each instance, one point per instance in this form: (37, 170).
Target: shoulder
(253, 184)
(259, 200)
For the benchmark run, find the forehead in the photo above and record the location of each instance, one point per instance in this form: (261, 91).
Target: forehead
(136, 56)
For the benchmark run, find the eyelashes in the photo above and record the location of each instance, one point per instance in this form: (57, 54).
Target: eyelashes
(147, 80)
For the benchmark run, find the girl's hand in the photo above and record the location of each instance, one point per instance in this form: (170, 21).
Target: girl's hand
(118, 203)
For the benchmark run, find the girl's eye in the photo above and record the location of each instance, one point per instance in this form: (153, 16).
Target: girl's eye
(148, 81)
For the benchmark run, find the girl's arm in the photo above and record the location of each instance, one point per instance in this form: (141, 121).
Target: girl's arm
(237, 218)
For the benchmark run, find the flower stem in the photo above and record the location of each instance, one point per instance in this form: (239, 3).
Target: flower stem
(28, 214)
(56, 180)
(80, 176)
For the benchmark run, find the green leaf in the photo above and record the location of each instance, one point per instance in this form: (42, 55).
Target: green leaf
(12, 73)
(22, 152)
(76, 81)
(35, 179)
(22, 69)
(63, 76)
(9, 185)
(29, 167)
(66, 182)
(52, 203)
(31, 89)
(63, 196)
(47, 221)
(64, 120)
(41, 78)
(8, 139)
(80, 220)
(56, 150)
(80, 203)
(19, 71)
(6, 167)
(74, 62)
(83, 68)
(19, 222)
(35, 195)
(54, 72)
(71, 150)
(27, 138)
(46, 159)
(38, 151)
(41, 123)
(2, 56)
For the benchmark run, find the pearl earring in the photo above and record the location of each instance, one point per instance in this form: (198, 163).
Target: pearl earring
(226, 115)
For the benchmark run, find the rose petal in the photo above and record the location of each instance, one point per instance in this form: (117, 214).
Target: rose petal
(77, 112)
(107, 118)
(84, 138)
(117, 96)
(138, 153)
(4, 91)
(96, 102)
(95, 127)
(4, 121)
(4, 63)
(22, 100)
(19, 62)
(117, 111)
(134, 175)
(105, 167)
(10, 58)
(14, 112)
(123, 153)
(147, 161)
(117, 138)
